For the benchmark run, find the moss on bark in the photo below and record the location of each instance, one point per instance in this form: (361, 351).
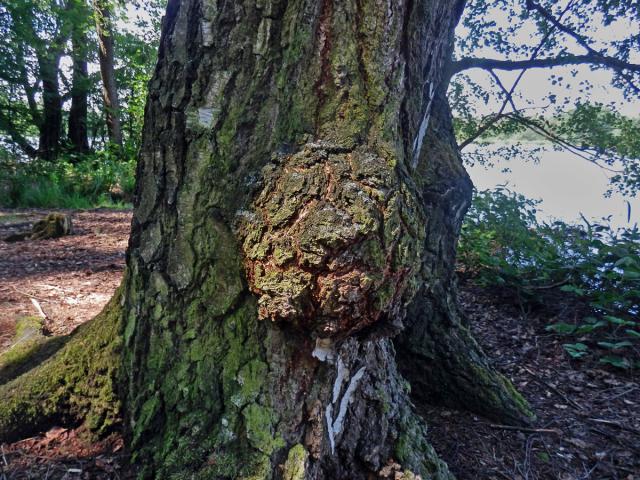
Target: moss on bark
(29, 348)
(77, 384)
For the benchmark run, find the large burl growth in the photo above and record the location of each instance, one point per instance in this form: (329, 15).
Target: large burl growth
(333, 242)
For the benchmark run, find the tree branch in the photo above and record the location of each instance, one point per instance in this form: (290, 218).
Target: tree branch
(14, 133)
(615, 63)
(467, 63)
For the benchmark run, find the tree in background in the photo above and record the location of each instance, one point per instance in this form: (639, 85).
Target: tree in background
(35, 36)
(103, 12)
(78, 133)
(45, 66)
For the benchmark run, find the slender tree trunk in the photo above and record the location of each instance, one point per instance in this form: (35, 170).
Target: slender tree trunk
(78, 133)
(106, 56)
(298, 201)
(51, 126)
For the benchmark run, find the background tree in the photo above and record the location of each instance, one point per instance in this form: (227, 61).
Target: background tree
(58, 41)
(78, 112)
(103, 12)
(36, 34)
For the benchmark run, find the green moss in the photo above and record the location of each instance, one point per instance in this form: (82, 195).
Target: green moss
(260, 426)
(29, 348)
(53, 225)
(295, 466)
(77, 384)
(416, 454)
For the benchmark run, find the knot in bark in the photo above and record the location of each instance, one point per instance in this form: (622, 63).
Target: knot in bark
(333, 243)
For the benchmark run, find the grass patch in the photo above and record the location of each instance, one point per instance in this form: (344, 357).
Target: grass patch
(101, 179)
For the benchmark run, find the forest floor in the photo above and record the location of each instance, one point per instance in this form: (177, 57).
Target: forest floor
(588, 423)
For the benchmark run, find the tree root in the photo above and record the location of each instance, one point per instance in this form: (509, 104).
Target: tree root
(76, 384)
(445, 365)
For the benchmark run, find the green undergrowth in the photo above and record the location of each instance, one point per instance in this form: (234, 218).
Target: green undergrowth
(591, 271)
(74, 385)
(98, 179)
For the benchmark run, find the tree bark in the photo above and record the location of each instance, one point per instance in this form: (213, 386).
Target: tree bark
(106, 56)
(51, 126)
(298, 201)
(78, 133)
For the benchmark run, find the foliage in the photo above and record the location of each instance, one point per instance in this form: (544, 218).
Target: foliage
(103, 178)
(576, 48)
(591, 268)
(37, 51)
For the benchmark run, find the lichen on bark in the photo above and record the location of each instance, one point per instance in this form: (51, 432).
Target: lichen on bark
(333, 240)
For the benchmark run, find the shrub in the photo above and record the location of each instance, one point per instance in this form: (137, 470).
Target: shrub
(104, 178)
(502, 244)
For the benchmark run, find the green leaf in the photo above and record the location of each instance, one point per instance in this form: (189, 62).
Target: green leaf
(618, 362)
(590, 327)
(633, 333)
(561, 328)
(576, 350)
(572, 289)
(616, 345)
(620, 321)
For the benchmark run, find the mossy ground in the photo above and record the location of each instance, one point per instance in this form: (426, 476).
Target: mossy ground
(30, 347)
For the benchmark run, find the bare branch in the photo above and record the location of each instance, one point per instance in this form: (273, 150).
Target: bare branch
(510, 65)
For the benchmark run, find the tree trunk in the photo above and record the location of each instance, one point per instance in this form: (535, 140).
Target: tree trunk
(78, 134)
(298, 201)
(51, 127)
(104, 29)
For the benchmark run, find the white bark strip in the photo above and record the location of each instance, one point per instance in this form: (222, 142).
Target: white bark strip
(334, 427)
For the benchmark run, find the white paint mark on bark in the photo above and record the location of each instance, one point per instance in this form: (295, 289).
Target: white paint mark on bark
(324, 350)
(417, 143)
(207, 33)
(339, 379)
(328, 413)
(334, 427)
(346, 399)
(205, 116)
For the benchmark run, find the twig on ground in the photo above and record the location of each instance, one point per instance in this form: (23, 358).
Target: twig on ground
(25, 293)
(525, 429)
(37, 306)
(614, 424)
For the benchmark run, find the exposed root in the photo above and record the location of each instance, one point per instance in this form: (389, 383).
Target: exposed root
(30, 347)
(444, 364)
(74, 385)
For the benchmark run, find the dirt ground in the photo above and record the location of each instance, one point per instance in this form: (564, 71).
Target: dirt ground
(588, 418)
(588, 423)
(71, 278)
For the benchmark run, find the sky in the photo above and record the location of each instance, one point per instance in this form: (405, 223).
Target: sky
(567, 185)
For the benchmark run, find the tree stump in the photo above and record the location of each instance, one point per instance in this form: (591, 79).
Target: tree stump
(54, 225)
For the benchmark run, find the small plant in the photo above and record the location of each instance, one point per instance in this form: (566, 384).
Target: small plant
(100, 179)
(593, 268)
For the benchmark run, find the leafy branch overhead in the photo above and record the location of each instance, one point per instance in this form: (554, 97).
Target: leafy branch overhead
(566, 38)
